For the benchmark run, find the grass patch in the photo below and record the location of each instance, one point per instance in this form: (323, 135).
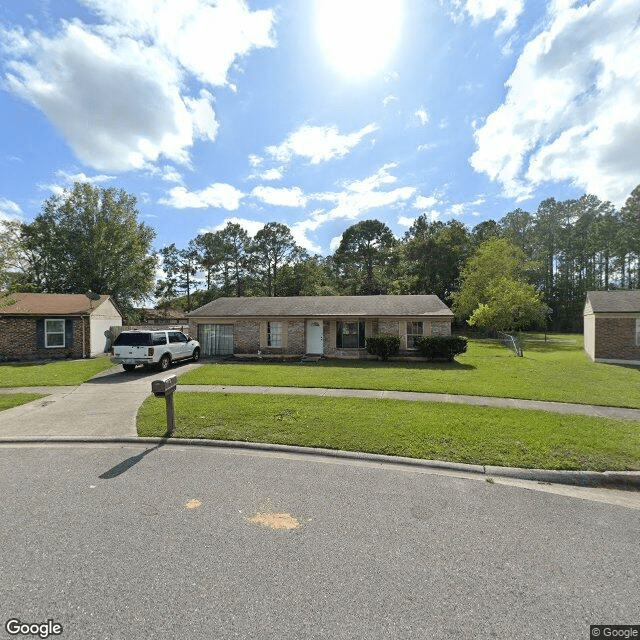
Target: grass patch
(51, 374)
(557, 370)
(456, 433)
(9, 400)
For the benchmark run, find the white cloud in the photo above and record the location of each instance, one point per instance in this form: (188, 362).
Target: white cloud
(9, 210)
(254, 160)
(570, 113)
(423, 115)
(405, 221)
(285, 197)
(83, 177)
(387, 100)
(116, 90)
(217, 195)
(479, 10)
(318, 144)
(425, 202)
(275, 173)
(250, 226)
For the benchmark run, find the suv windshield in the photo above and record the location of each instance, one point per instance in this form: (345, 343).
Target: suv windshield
(133, 340)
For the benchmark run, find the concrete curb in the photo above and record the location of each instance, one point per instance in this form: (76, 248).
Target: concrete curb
(621, 480)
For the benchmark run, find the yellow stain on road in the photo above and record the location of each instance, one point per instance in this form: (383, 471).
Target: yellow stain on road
(194, 504)
(276, 520)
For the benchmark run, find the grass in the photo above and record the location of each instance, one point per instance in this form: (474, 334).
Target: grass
(558, 371)
(9, 400)
(457, 433)
(51, 374)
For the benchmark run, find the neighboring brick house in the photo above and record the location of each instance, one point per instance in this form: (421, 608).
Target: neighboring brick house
(41, 326)
(612, 326)
(334, 326)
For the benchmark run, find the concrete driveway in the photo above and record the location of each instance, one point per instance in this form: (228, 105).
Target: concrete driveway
(106, 405)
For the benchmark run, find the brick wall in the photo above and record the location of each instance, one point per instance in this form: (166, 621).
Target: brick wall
(18, 340)
(615, 339)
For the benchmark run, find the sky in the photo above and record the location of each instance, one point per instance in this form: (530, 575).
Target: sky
(318, 113)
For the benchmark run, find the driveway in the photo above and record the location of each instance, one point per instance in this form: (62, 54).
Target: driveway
(106, 405)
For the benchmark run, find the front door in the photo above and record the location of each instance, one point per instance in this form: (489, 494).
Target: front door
(315, 337)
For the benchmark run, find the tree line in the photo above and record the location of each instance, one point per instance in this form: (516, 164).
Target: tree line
(90, 238)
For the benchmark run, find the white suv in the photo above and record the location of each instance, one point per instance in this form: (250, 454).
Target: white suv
(149, 348)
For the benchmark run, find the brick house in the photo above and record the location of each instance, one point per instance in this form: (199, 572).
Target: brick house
(612, 326)
(334, 326)
(41, 326)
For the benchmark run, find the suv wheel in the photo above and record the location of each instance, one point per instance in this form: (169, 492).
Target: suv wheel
(128, 367)
(164, 362)
(196, 354)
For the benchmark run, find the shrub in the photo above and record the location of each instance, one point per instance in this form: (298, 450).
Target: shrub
(383, 346)
(441, 347)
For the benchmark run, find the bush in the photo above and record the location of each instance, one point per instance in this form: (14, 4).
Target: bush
(441, 347)
(383, 346)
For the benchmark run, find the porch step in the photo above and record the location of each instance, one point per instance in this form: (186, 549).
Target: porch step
(311, 357)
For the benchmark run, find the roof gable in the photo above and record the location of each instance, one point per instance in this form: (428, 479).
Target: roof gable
(337, 306)
(54, 304)
(614, 301)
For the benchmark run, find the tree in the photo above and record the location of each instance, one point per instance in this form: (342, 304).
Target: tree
(363, 258)
(434, 254)
(511, 304)
(180, 267)
(494, 292)
(12, 256)
(272, 247)
(90, 238)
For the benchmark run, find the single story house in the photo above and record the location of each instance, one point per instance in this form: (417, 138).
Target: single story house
(334, 326)
(612, 326)
(36, 326)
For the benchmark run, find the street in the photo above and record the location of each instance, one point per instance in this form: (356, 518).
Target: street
(123, 541)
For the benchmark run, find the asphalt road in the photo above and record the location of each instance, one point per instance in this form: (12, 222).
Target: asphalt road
(134, 542)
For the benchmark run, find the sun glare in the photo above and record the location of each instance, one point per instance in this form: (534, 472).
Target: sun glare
(358, 37)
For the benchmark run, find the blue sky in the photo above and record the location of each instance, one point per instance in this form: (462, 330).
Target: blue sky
(319, 113)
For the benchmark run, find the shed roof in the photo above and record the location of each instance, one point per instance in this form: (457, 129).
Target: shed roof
(614, 301)
(53, 304)
(323, 306)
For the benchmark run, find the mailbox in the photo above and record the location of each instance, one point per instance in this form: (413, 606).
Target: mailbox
(165, 387)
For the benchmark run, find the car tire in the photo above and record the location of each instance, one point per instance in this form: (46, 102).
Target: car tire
(165, 362)
(128, 367)
(196, 354)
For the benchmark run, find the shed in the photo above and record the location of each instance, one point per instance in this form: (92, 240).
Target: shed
(612, 326)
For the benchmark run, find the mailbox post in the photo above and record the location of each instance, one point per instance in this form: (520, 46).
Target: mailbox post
(165, 388)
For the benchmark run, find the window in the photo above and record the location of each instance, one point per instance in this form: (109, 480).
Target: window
(414, 331)
(350, 335)
(637, 332)
(53, 333)
(177, 336)
(159, 338)
(274, 334)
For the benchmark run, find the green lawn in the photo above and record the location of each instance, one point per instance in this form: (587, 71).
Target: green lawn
(9, 400)
(457, 433)
(557, 370)
(51, 374)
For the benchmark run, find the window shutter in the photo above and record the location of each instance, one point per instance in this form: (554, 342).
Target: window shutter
(40, 333)
(68, 333)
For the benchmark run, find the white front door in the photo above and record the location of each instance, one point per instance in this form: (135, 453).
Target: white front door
(315, 337)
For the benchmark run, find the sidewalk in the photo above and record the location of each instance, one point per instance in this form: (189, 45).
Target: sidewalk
(481, 401)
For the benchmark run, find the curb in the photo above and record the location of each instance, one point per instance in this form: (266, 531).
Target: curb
(621, 480)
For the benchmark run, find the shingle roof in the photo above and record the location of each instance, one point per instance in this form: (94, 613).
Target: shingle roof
(338, 306)
(54, 304)
(614, 301)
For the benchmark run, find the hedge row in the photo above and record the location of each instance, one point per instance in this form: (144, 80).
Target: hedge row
(429, 347)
